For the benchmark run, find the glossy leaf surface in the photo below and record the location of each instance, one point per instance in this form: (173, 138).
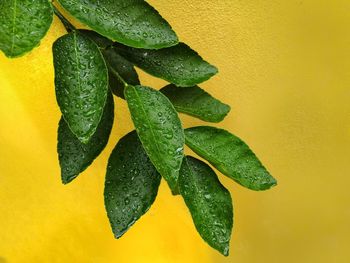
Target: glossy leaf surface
(179, 64)
(196, 102)
(119, 65)
(116, 64)
(209, 202)
(81, 80)
(23, 24)
(131, 184)
(131, 22)
(230, 155)
(75, 156)
(101, 41)
(159, 129)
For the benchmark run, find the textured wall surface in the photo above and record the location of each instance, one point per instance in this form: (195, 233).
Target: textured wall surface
(284, 69)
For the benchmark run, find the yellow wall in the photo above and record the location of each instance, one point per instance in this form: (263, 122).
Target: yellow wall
(284, 68)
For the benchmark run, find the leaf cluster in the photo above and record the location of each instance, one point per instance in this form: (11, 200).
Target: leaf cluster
(91, 65)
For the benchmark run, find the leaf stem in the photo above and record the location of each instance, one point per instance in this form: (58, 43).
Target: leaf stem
(68, 25)
(116, 74)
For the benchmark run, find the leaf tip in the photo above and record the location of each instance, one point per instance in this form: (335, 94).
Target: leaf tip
(227, 108)
(225, 250)
(65, 182)
(119, 233)
(66, 179)
(175, 191)
(272, 182)
(215, 69)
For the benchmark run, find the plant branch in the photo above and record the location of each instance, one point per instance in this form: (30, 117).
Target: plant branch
(68, 25)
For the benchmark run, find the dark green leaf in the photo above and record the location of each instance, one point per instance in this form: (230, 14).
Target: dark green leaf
(179, 64)
(159, 129)
(23, 24)
(131, 22)
(101, 41)
(75, 156)
(81, 80)
(230, 155)
(131, 184)
(119, 65)
(116, 64)
(209, 202)
(196, 102)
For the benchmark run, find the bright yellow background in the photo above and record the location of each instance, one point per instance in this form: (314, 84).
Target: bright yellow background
(284, 68)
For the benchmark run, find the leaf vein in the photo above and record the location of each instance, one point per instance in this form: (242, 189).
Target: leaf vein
(77, 60)
(13, 25)
(148, 121)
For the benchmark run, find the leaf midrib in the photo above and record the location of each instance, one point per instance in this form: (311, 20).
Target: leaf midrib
(77, 60)
(13, 25)
(200, 195)
(148, 121)
(211, 158)
(204, 116)
(83, 17)
(219, 165)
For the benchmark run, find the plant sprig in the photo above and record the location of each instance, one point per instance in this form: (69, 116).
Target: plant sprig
(91, 65)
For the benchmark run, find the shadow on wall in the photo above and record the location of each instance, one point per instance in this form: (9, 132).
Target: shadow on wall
(2, 260)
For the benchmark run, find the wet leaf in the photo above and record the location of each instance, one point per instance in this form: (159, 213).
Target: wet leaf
(230, 155)
(159, 129)
(196, 102)
(179, 64)
(209, 202)
(75, 156)
(81, 80)
(23, 24)
(119, 65)
(101, 41)
(131, 184)
(131, 22)
(116, 64)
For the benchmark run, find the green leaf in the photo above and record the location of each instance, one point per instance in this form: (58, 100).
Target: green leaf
(81, 80)
(159, 129)
(75, 156)
(119, 65)
(131, 184)
(230, 155)
(101, 41)
(116, 64)
(209, 202)
(131, 22)
(23, 24)
(179, 64)
(196, 102)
